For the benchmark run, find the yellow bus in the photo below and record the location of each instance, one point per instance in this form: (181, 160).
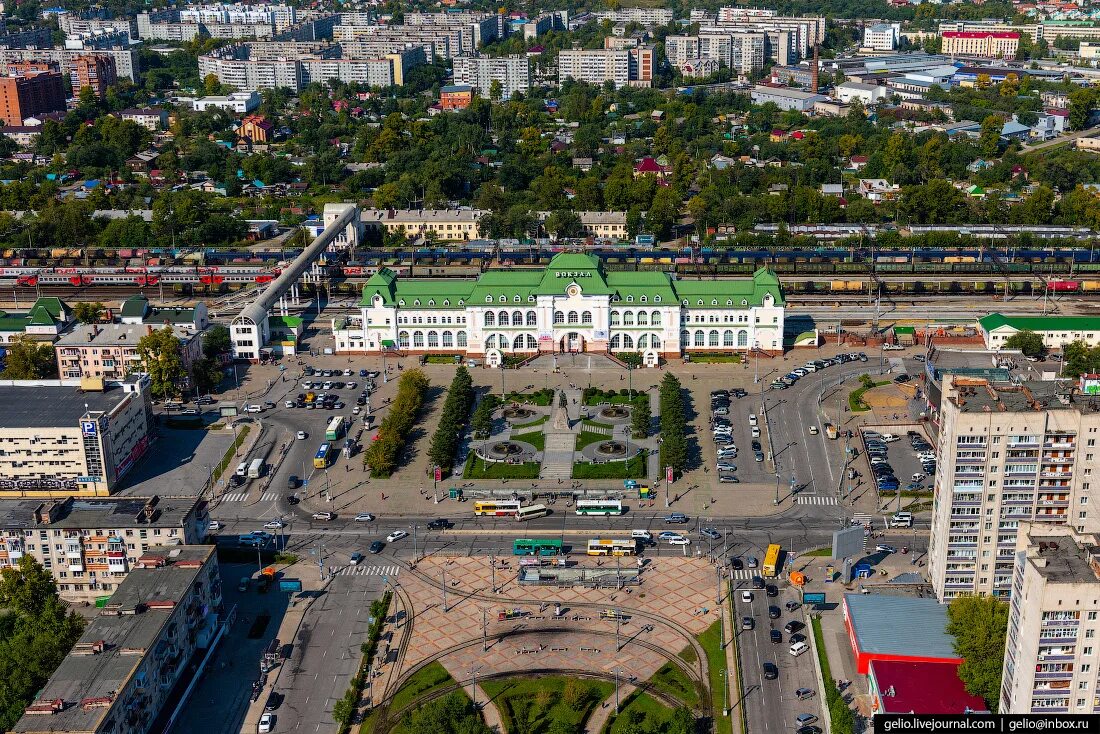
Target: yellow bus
(324, 454)
(771, 560)
(607, 547)
(496, 508)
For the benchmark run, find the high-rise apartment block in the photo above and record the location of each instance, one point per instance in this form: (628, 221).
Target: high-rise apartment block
(95, 72)
(1008, 453)
(512, 72)
(622, 67)
(1051, 648)
(29, 94)
(743, 52)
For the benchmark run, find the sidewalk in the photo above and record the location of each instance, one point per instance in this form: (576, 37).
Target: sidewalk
(600, 716)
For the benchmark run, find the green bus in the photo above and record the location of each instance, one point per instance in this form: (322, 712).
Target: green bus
(536, 547)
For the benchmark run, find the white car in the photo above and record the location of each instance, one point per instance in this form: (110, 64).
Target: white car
(364, 517)
(213, 525)
(302, 435)
(347, 373)
(679, 540)
(752, 419)
(746, 596)
(254, 409)
(355, 410)
(755, 432)
(267, 721)
(288, 403)
(813, 430)
(274, 524)
(396, 535)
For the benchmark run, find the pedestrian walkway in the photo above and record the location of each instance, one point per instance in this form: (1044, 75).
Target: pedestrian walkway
(366, 570)
(243, 496)
(744, 574)
(557, 459)
(600, 716)
(816, 500)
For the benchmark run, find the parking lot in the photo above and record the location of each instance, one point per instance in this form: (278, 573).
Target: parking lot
(896, 454)
(739, 415)
(774, 701)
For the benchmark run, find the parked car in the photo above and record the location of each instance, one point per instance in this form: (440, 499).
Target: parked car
(776, 636)
(710, 533)
(396, 535)
(773, 612)
(324, 516)
(804, 693)
(676, 517)
(364, 517)
(727, 478)
(267, 722)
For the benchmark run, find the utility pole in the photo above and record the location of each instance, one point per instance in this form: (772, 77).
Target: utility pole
(444, 587)
(718, 585)
(415, 555)
(484, 631)
(493, 567)
(616, 691)
(617, 618)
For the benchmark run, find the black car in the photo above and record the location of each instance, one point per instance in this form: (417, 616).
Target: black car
(755, 446)
(792, 627)
(757, 582)
(738, 393)
(360, 400)
(776, 636)
(292, 482)
(797, 638)
(308, 372)
(439, 524)
(772, 590)
(719, 393)
(737, 564)
(791, 606)
(292, 500)
(773, 612)
(808, 730)
(901, 378)
(376, 546)
(770, 671)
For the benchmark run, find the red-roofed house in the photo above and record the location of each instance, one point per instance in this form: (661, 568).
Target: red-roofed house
(920, 688)
(857, 162)
(648, 166)
(980, 43)
(256, 128)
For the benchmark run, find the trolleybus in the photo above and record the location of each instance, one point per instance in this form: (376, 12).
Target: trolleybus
(608, 547)
(531, 512)
(536, 547)
(499, 508)
(771, 560)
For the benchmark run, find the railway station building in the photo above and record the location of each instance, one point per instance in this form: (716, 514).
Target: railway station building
(572, 305)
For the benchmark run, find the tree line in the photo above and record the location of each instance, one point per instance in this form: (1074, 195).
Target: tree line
(452, 421)
(383, 457)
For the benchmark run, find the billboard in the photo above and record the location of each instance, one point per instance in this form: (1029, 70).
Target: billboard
(848, 542)
(813, 599)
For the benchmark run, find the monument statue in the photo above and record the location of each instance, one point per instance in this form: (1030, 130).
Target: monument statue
(561, 412)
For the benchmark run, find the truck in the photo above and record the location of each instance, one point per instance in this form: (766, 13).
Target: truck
(830, 430)
(255, 469)
(335, 428)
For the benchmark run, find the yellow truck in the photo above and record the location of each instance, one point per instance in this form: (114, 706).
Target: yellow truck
(830, 430)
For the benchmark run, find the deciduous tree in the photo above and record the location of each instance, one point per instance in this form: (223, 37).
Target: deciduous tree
(979, 624)
(29, 360)
(161, 358)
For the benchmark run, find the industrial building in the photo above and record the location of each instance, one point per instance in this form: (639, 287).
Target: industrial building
(786, 98)
(126, 666)
(91, 544)
(71, 437)
(1052, 623)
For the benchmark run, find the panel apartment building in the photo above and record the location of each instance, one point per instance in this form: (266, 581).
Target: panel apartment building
(1053, 624)
(125, 668)
(91, 544)
(61, 438)
(742, 52)
(623, 67)
(294, 65)
(513, 73)
(1008, 454)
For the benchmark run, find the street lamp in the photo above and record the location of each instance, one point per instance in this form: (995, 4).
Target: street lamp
(756, 351)
(725, 691)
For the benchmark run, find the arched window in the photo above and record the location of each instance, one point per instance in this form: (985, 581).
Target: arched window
(655, 318)
(615, 341)
(628, 318)
(490, 318)
(643, 340)
(700, 338)
(532, 342)
(643, 299)
(643, 318)
(559, 317)
(433, 339)
(685, 339)
(517, 318)
(573, 317)
(403, 340)
(461, 339)
(713, 338)
(502, 318)
(491, 341)
(532, 319)
(503, 299)
(517, 343)
(727, 338)
(614, 318)
(418, 339)
(628, 343)
(742, 338)
(586, 317)
(654, 342)
(448, 339)
(517, 299)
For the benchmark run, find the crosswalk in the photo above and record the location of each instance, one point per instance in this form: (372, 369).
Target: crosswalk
(367, 570)
(744, 574)
(242, 496)
(816, 500)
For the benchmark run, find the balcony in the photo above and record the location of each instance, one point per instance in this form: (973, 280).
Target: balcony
(1054, 675)
(1043, 473)
(1025, 442)
(1060, 444)
(1057, 640)
(970, 460)
(76, 567)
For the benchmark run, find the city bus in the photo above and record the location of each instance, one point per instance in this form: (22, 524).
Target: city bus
(599, 507)
(255, 469)
(324, 454)
(498, 508)
(606, 547)
(531, 512)
(536, 547)
(335, 428)
(771, 560)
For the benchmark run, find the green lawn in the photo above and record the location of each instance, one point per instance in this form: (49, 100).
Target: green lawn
(639, 708)
(855, 398)
(586, 437)
(595, 424)
(402, 726)
(822, 656)
(535, 705)
(820, 552)
(541, 397)
(428, 678)
(531, 424)
(711, 640)
(672, 680)
(535, 438)
(633, 469)
(478, 469)
(441, 359)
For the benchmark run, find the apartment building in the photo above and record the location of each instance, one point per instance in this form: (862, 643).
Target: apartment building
(95, 72)
(448, 225)
(110, 351)
(438, 43)
(512, 72)
(1008, 453)
(239, 102)
(89, 545)
(622, 67)
(70, 437)
(642, 16)
(991, 44)
(476, 28)
(1053, 624)
(30, 94)
(127, 65)
(294, 65)
(125, 668)
(807, 31)
(743, 52)
(76, 24)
